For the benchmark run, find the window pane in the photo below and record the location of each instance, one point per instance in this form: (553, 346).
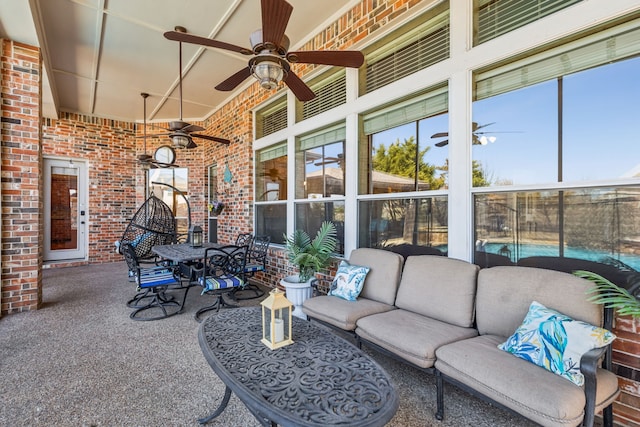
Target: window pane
(271, 179)
(174, 177)
(396, 159)
(310, 216)
(271, 220)
(516, 137)
(497, 17)
(420, 222)
(594, 224)
(323, 174)
(392, 163)
(434, 152)
(600, 117)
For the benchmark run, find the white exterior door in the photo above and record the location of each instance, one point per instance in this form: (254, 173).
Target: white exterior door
(65, 209)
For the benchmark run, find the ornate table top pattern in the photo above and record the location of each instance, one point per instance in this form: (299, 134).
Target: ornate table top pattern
(319, 380)
(182, 252)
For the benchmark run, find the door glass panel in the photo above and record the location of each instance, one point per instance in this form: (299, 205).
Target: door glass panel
(64, 208)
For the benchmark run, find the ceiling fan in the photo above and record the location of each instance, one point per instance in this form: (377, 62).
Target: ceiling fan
(329, 160)
(180, 132)
(270, 63)
(479, 138)
(147, 160)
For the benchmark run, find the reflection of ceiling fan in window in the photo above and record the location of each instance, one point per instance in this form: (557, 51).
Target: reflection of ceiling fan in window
(274, 169)
(479, 138)
(182, 133)
(339, 159)
(270, 61)
(272, 173)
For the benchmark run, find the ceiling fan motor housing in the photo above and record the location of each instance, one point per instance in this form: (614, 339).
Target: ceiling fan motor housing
(259, 46)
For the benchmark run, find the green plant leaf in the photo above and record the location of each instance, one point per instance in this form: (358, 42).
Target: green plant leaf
(311, 256)
(611, 295)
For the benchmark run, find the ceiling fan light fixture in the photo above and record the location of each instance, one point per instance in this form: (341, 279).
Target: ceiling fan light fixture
(180, 140)
(268, 74)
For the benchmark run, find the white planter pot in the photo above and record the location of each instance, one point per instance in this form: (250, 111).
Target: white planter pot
(297, 293)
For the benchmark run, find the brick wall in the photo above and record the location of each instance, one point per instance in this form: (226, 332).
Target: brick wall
(115, 180)
(626, 364)
(21, 158)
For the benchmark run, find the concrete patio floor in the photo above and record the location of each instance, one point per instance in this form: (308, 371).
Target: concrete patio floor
(80, 361)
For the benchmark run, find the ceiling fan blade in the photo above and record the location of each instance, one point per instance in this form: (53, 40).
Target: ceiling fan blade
(341, 58)
(275, 17)
(192, 128)
(298, 87)
(442, 143)
(157, 164)
(212, 138)
(440, 134)
(232, 82)
(475, 126)
(190, 38)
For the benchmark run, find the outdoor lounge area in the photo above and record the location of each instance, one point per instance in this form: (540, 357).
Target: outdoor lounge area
(501, 134)
(80, 360)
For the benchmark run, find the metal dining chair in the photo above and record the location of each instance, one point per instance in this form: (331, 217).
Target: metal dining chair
(223, 271)
(256, 262)
(152, 302)
(244, 239)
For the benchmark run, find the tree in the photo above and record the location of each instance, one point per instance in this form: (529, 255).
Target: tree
(478, 175)
(400, 159)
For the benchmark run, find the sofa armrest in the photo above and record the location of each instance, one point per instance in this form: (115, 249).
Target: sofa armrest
(589, 368)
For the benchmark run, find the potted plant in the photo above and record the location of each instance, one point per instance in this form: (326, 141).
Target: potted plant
(308, 256)
(624, 301)
(215, 208)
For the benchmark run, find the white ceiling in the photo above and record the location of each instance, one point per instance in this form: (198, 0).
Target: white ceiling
(99, 55)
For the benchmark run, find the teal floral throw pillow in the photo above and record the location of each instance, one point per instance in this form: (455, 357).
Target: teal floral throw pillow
(348, 282)
(555, 341)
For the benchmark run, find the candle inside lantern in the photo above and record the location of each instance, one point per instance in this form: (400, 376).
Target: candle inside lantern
(279, 330)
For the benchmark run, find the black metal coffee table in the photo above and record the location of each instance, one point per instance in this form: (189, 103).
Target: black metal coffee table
(320, 379)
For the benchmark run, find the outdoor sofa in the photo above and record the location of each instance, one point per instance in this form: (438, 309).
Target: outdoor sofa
(447, 317)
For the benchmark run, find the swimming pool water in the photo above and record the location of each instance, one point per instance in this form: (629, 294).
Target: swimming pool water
(529, 250)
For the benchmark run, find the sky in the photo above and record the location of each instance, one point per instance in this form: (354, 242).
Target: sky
(600, 131)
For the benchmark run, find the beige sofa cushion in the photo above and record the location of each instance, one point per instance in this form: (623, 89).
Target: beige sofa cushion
(553, 401)
(382, 280)
(505, 293)
(410, 336)
(341, 313)
(377, 296)
(439, 287)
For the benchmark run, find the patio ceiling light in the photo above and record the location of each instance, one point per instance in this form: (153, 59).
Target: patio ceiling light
(268, 70)
(180, 140)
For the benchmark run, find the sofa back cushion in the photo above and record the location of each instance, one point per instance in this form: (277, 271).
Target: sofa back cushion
(505, 294)
(381, 283)
(439, 287)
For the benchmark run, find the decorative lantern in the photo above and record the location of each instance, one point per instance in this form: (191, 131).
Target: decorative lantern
(195, 236)
(276, 320)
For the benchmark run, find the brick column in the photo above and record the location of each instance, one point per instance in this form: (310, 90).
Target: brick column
(21, 188)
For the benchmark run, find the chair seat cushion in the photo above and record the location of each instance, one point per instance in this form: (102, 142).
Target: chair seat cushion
(217, 283)
(341, 313)
(409, 335)
(480, 364)
(252, 268)
(150, 278)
